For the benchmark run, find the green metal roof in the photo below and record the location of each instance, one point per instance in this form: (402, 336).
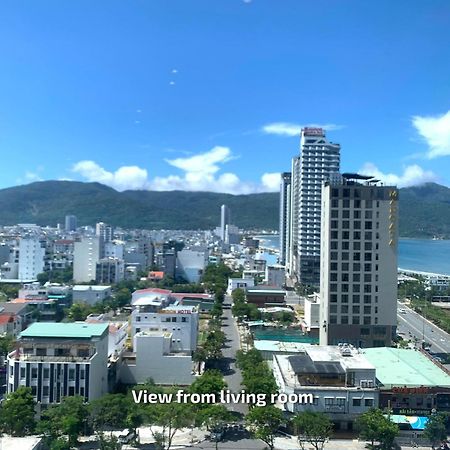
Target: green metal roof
(405, 367)
(79, 330)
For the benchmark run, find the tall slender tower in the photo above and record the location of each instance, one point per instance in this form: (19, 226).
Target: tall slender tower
(224, 221)
(319, 160)
(285, 215)
(358, 286)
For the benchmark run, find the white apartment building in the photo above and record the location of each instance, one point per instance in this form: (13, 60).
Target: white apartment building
(154, 357)
(239, 283)
(31, 257)
(340, 381)
(358, 287)
(109, 271)
(154, 313)
(285, 215)
(60, 359)
(104, 231)
(191, 264)
(319, 159)
(114, 250)
(85, 257)
(312, 314)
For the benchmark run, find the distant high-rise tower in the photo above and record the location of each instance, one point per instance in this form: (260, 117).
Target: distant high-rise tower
(358, 286)
(285, 215)
(319, 159)
(104, 231)
(71, 223)
(224, 221)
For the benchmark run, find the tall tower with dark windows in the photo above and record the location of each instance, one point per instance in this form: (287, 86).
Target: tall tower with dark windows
(358, 286)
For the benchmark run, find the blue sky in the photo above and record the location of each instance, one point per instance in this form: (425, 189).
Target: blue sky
(211, 94)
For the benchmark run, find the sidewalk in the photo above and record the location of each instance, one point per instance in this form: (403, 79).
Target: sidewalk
(286, 443)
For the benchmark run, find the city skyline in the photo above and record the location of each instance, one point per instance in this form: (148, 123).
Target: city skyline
(202, 96)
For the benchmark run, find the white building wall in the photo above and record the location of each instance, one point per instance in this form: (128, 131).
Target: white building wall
(154, 360)
(239, 283)
(191, 264)
(183, 326)
(85, 258)
(31, 258)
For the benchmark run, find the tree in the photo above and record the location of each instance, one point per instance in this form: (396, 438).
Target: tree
(123, 297)
(42, 278)
(374, 426)
(211, 382)
(214, 418)
(68, 419)
(314, 428)
(79, 311)
(170, 417)
(111, 410)
(199, 356)
(264, 422)
(214, 343)
(435, 429)
(6, 344)
(108, 442)
(238, 295)
(17, 413)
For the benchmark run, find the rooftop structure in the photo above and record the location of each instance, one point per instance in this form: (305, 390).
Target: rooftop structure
(79, 330)
(406, 368)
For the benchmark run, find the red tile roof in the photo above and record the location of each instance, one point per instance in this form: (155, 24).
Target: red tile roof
(6, 318)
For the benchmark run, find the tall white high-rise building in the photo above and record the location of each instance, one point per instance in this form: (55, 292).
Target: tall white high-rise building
(224, 221)
(358, 286)
(31, 258)
(105, 231)
(85, 258)
(319, 159)
(285, 215)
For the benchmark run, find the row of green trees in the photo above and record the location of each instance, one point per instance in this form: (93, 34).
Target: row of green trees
(243, 310)
(257, 378)
(61, 425)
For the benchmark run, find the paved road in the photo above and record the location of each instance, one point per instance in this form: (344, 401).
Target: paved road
(422, 329)
(232, 374)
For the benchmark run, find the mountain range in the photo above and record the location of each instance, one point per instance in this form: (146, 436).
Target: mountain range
(424, 209)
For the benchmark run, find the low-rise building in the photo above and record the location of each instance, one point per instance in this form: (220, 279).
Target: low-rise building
(336, 380)
(239, 283)
(90, 294)
(275, 276)
(155, 358)
(153, 313)
(60, 359)
(312, 315)
(410, 382)
(10, 324)
(109, 271)
(265, 296)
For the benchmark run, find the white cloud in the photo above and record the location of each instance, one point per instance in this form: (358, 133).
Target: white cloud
(199, 172)
(126, 177)
(412, 175)
(31, 176)
(271, 181)
(435, 130)
(203, 162)
(293, 129)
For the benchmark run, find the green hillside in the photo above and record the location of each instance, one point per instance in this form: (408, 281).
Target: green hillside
(424, 210)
